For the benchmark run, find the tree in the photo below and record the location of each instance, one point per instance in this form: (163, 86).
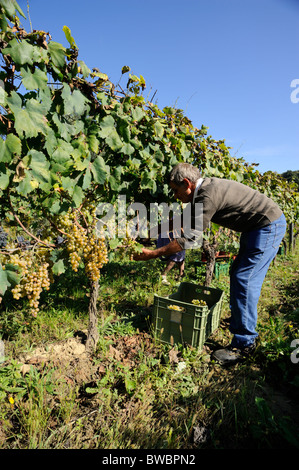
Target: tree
(291, 177)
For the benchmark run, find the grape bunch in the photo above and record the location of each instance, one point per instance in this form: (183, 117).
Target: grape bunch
(3, 238)
(129, 248)
(199, 302)
(35, 276)
(82, 244)
(22, 243)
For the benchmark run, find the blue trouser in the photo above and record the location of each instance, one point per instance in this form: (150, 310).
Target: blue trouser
(257, 249)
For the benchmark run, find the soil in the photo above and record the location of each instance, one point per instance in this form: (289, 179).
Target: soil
(71, 359)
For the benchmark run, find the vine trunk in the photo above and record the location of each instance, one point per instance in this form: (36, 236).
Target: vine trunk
(93, 333)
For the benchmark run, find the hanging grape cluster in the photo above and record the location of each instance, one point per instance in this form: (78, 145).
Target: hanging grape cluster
(82, 243)
(33, 273)
(3, 238)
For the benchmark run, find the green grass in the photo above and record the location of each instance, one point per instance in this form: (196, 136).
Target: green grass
(136, 393)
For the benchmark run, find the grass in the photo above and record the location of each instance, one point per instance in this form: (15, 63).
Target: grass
(136, 393)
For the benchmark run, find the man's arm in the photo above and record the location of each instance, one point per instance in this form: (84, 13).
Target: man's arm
(167, 250)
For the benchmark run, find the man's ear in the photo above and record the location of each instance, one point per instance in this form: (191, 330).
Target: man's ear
(187, 183)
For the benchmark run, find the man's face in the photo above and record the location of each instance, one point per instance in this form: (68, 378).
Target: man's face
(183, 192)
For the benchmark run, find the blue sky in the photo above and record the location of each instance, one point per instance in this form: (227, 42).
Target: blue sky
(228, 64)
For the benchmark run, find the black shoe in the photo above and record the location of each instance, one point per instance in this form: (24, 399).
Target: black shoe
(230, 355)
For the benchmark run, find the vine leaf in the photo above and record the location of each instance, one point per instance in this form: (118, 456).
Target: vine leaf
(22, 52)
(74, 103)
(57, 52)
(58, 267)
(29, 120)
(4, 283)
(4, 176)
(34, 81)
(69, 37)
(99, 170)
(25, 186)
(39, 166)
(8, 147)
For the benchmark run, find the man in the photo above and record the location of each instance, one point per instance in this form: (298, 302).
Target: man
(176, 259)
(262, 226)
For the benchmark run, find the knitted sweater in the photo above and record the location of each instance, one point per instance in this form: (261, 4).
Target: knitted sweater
(232, 205)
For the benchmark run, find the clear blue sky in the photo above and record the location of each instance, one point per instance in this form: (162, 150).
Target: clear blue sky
(228, 64)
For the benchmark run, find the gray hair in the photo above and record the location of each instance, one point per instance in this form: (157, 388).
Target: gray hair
(184, 170)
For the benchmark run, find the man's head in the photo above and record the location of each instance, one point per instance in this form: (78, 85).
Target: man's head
(182, 180)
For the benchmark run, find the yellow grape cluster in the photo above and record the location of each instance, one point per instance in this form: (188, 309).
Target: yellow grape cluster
(35, 276)
(128, 247)
(83, 245)
(200, 302)
(95, 257)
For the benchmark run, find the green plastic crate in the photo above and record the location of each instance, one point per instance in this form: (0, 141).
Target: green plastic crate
(187, 323)
(221, 268)
(281, 250)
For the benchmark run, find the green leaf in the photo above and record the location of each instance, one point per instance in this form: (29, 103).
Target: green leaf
(29, 120)
(83, 68)
(114, 141)
(99, 170)
(74, 103)
(39, 166)
(127, 149)
(14, 101)
(3, 95)
(9, 7)
(4, 176)
(69, 37)
(9, 147)
(124, 130)
(61, 156)
(86, 179)
(93, 143)
(130, 385)
(159, 129)
(34, 81)
(57, 52)
(137, 113)
(68, 184)
(22, 52)
(13, 144)
(58, 267)
(4, 283)
(25, 186)
(107, 125)
(13, 275)
(77, 195)
(19, 9)
(148, 181)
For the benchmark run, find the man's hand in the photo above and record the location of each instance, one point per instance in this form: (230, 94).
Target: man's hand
(167, 250)
(145, 255)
